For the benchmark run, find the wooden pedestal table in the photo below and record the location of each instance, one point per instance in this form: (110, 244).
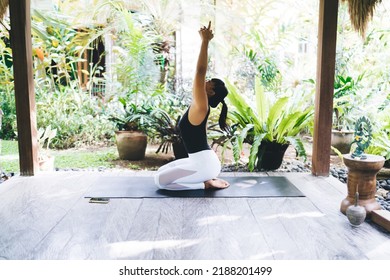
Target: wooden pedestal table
(362, 177)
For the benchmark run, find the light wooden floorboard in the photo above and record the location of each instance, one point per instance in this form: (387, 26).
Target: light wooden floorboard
(246, 231)
(276, 236)
(326, 195)
(143, 239)
(88, 229)
(217, 229)
(33, 207)
(47, 217)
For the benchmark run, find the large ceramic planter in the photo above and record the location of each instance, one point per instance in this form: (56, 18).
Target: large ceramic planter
(362, 178)
(131, 145)
(270, 155)
(342, 140)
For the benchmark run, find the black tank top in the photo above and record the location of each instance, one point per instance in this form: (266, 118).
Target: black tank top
(194, 136)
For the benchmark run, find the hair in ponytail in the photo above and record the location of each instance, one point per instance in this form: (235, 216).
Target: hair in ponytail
(220, 93)
(223, 116)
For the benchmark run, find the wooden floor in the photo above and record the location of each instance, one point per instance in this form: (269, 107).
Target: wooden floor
(47, 217)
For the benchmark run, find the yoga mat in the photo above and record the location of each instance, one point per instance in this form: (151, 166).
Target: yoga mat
(144, 187)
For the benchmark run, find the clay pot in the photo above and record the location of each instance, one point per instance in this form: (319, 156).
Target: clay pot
(356, 214)
(341, 140)
(131, 145)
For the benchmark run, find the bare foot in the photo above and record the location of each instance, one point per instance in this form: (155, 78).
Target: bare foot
(216, 184)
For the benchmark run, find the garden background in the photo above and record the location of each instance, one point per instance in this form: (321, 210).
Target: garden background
(96, 61)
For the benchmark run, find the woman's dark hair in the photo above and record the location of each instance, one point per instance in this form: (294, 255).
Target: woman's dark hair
(220, 93)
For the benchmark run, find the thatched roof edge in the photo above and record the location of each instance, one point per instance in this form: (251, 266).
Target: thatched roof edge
(3, 8)
(361, 12)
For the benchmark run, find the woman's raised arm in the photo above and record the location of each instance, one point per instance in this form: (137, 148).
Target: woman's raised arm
(199, 105)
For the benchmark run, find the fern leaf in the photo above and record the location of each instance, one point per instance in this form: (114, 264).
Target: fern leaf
(254, 150)
(299, 147)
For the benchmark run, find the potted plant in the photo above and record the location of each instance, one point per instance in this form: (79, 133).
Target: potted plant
(45, 158)
(344, 113)
(166, 128)
(133, 122)
(269, 128)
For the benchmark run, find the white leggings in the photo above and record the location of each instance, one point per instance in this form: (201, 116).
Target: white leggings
(188, 173)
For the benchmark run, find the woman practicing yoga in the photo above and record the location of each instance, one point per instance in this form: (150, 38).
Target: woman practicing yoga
(200, 169)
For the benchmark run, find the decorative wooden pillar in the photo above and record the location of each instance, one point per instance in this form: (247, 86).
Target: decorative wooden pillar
(24, 86)
(326, 59)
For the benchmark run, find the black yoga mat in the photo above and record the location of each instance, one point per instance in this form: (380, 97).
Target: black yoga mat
(144, 187)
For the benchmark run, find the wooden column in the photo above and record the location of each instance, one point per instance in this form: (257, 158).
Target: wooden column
(24, 86)
(326, 59)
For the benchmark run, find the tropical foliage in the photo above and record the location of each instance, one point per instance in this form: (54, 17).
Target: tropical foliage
(268, 40)
(133, 117)
(78, 117)
(380, 142)
(7, 98)
(166, 129)
(345, 105)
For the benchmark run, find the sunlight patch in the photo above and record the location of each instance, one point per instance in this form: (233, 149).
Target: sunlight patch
(248, 183)
(294, 216)
(217, 219)
(127, 249)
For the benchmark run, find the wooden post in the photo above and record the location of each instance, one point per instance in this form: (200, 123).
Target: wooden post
(24, 86)
(326, 59)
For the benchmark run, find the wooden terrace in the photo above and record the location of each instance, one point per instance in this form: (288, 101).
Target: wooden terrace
(47, 217)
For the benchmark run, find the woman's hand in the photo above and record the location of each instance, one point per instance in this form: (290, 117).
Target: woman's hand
(206, 33)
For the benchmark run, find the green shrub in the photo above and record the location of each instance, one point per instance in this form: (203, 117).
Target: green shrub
(78, 117)
(7, 98)
(7, 105)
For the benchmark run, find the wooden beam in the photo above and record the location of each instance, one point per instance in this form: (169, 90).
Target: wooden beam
(24, 86)
(326, 59)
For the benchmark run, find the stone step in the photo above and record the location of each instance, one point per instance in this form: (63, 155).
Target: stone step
(381, 218)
